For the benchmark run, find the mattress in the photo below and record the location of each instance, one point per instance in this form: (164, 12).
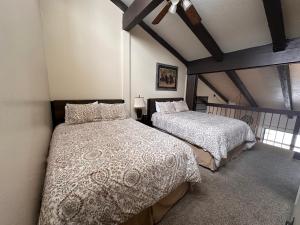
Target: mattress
(215, 134)
(107, 172)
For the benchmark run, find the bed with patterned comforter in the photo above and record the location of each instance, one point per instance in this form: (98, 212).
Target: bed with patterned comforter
(215, 134)
(106, 172)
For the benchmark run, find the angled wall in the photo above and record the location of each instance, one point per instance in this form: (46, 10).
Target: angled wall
(25, 126)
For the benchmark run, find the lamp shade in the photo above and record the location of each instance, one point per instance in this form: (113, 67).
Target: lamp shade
(139, 103)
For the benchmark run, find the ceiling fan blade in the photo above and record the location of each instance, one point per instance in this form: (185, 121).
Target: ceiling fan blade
(162, 14)
(193, 15)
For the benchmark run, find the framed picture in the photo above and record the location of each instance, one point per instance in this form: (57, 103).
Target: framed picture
(166, 77)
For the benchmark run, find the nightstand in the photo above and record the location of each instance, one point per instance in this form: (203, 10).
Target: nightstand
(145, 120)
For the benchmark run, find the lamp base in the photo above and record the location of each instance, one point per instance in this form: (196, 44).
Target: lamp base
(139, 113)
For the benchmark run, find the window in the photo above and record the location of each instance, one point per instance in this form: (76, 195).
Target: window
(280, 139)
(297, 144)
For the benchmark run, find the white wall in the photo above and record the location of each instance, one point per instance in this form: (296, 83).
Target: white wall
(90, 56)
(83, 48)
(25, 126)
(145, 53)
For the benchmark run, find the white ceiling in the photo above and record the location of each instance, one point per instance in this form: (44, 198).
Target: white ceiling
(234, 24)
(264, 86)
(295, 83)
(291, 13)
(262, 83)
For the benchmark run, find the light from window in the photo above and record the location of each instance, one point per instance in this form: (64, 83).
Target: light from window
(280, 139)
(297, 144)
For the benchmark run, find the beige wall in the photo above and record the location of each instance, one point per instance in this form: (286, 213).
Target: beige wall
(24, 112)
(145, 53)
(90, 56)
(83, 48)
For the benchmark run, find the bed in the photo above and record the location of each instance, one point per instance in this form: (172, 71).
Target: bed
(113, 172)
(214, 139)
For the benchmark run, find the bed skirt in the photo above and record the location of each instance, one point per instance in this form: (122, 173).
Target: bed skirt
(155, 213)
(206, 160)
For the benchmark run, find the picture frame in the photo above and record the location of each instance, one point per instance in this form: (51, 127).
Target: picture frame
(166, 77)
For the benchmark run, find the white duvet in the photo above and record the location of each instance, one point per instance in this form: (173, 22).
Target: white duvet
(215, 134)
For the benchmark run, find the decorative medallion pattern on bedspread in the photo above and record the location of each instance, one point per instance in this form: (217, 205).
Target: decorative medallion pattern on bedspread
(215, 134)
(106, 172)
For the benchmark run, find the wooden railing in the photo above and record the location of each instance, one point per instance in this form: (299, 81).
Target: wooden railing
(262, 119)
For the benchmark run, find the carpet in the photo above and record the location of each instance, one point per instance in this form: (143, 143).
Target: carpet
(257, 188)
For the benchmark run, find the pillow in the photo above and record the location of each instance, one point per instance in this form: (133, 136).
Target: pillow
(157, 107)
(112, 111)
(180, 106)
(80, 113)
(166, 107)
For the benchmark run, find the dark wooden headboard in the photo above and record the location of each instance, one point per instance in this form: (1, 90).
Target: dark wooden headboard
(58, 107)
(151, 104)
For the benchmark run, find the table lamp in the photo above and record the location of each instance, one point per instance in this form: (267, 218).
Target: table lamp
(139, 104)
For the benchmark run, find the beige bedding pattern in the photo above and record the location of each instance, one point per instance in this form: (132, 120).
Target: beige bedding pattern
(107, 172)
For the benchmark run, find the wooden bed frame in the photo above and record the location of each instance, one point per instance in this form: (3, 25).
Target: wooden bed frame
(203, 157)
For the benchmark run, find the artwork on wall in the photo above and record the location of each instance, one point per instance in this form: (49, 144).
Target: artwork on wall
(166, 77)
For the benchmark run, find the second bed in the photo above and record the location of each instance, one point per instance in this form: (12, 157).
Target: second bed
(214, 139)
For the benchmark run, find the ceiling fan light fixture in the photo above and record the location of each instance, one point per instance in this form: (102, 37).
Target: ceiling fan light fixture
(173, 9)
(186, 4)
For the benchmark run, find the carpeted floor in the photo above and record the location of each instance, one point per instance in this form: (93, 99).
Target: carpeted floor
(257, 188)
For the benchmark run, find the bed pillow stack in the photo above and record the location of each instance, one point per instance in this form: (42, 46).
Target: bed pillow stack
(181, 106)
(171, 107)
(165, 107)
(83, 113)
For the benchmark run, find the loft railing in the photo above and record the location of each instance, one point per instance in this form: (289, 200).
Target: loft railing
(271, 126)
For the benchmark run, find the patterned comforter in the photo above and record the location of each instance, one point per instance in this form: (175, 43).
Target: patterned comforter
(215, 134)
(106, 172)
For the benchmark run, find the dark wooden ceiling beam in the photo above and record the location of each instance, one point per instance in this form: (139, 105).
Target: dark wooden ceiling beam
(203, 35)
(153, 34)
(137, 11)
(274, 15)
(248, 58)
(191, 91)
(121, 5)
(285, 81)
(213, 88)
(241, 86)
(211, 45)
(163, 42)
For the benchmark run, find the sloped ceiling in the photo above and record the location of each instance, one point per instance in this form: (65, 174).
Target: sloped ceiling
(264, 86)
(222, 83)
(234, 24)
(262, 83)
(295, 83)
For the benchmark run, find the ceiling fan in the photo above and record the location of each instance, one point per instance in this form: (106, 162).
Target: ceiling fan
(172, 6)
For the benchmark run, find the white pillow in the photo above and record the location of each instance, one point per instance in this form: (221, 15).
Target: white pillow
(181, 106)
(157, 107)
(165, 107)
